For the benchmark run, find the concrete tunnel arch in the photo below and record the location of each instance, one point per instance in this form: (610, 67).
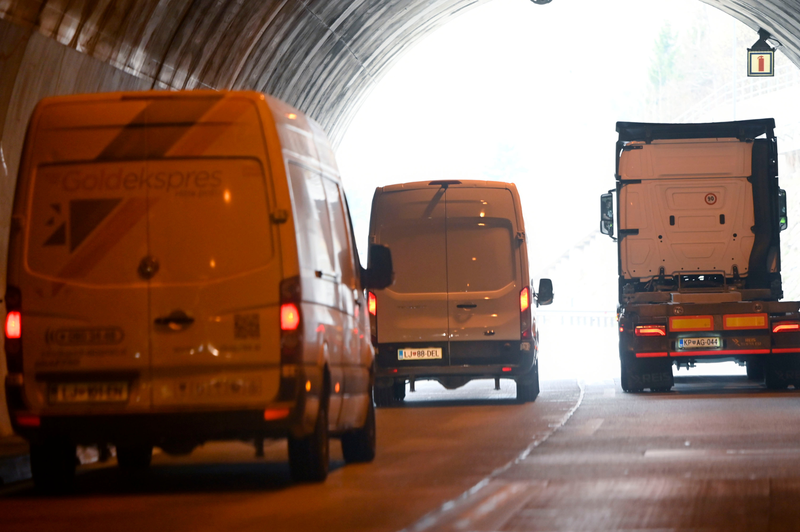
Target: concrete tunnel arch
(322, 56)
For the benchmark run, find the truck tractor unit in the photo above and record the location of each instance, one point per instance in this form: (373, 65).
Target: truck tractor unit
(698, 219)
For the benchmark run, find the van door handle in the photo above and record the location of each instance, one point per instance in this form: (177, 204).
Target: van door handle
(177, 320)
(470, 305)
(325, 275)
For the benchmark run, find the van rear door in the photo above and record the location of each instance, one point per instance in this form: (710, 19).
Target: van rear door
(414, 308)
(483, 267)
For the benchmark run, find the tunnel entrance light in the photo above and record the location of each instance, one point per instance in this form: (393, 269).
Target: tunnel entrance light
(761, 57)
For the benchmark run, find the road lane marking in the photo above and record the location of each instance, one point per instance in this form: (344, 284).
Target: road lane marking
(478, 504)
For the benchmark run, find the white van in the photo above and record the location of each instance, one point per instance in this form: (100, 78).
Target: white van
(181, 269)
(460, 307)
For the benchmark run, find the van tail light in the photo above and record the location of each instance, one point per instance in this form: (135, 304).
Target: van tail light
(651, 330)
(372, 309)
(524, 299)
(13, 325)
(786, 326)
(290, 317)
(13, 330)
(525, 321)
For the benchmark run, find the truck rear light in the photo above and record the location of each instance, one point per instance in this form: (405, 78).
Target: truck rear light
(13, 325)
(651, 330)
(372, 303)
(786, 326)
(273, 414)
(524, 299)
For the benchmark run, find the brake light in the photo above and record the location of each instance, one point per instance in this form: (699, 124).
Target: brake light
(290, 317)
(524, 299)
(372, 303)
(651, 330)
(786, 326)
(13, 325)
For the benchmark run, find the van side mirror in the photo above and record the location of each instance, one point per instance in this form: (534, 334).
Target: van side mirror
(607, 215)
(783, 218)
(380, 272)
(544, 296)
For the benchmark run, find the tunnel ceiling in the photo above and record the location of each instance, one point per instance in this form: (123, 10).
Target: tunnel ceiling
(322, 56)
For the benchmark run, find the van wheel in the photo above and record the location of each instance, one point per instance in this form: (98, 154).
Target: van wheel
(308, 456)
(53, 466)
(359, 445)
(383, 395)
(528, 387)
(399, 390)
(134, 457)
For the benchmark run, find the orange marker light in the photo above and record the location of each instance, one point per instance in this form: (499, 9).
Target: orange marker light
(524, 299)
(290, 317)
(781, 326)
(651, 330)
(372, 304)
(271, 415)
(13, 324)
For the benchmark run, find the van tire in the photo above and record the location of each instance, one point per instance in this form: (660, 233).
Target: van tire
(309, 455)
(383, 395)
(134, 457)
(399, 389)
(528, 388)
(358, 445)
(53, 466)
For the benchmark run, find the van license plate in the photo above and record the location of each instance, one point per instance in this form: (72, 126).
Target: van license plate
(423, 353)
(699, 343)
(88, 392)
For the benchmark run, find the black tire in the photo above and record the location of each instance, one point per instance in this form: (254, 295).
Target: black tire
(134, 457)
(528, 387)
(358, 446)
(383, 396)
(755, 370)
(399, 390)
(625, 379)
(309, 455)
(53, 466)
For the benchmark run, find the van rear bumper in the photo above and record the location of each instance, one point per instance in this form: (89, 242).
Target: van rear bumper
(157, 428)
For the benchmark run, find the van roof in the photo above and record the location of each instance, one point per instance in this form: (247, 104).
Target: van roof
(462, 183)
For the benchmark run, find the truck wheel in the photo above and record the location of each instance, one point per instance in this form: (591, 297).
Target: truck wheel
(53, 466)
(627, 380)
(399, 390)
(755, 370)
(134, 457)
(528, 387)
(308, 456)
(359, 445)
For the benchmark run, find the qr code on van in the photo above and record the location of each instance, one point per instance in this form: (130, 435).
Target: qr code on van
(246, 326)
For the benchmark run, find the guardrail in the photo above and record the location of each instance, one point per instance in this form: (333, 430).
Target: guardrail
(577, 318)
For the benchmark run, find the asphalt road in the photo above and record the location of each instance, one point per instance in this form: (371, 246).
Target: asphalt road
(718, 453)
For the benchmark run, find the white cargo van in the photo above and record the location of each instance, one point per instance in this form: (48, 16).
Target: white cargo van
(181, 269)
(460, 307)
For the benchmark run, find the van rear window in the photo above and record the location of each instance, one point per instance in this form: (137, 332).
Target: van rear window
(200, 218)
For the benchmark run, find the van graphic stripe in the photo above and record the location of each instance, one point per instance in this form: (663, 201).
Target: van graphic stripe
(100, 242)
(85, 215)
(197, 140)
(157, 128)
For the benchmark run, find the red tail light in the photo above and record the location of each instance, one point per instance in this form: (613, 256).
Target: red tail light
(290, 317)
(372, 304)
(651, 330)
(13, 324)
(786, 326)
(524, 299)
